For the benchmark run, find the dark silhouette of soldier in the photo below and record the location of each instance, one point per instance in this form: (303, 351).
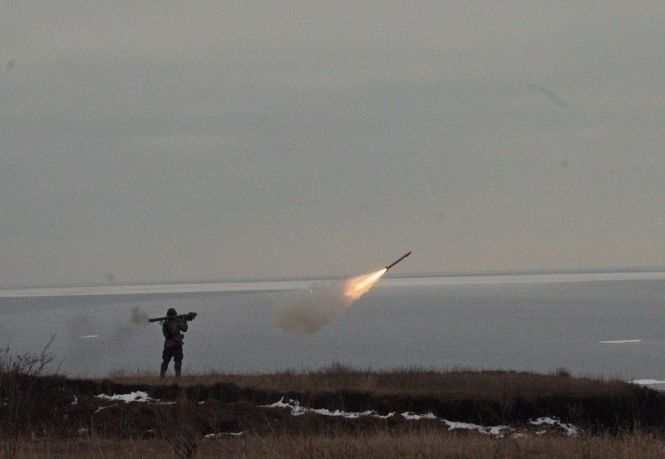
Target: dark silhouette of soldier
(172, 329)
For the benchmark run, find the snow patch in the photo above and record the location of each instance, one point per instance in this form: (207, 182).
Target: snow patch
(570, 429)
(495, 431)
(297, 410)
(408, 415)
(138, 396)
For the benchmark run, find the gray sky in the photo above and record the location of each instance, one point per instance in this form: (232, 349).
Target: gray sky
(157, 141)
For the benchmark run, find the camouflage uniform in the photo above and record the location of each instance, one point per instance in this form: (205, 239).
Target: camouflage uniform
(172, 328)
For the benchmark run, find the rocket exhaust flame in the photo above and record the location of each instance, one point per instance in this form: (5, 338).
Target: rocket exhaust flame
(355, 287)
(311, 310)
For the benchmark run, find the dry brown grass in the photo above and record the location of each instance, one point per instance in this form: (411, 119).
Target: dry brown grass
(496, 385)
(379, 444)
(231, 402)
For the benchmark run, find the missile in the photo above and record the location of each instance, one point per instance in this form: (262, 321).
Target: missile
(398, 260)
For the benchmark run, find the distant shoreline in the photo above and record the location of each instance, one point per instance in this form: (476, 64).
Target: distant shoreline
(247, 285)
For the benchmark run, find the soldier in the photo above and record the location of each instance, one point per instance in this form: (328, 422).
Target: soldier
(172, 328)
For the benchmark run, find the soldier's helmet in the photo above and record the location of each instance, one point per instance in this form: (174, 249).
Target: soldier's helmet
(171, 312)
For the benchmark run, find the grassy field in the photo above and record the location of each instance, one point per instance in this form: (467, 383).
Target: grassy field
(230, 415)
(377, 444)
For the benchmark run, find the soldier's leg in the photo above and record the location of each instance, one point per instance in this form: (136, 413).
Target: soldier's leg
(166, 358)
(177, 361)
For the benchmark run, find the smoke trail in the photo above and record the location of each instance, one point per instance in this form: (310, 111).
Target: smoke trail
(309, 311)
(139, 317)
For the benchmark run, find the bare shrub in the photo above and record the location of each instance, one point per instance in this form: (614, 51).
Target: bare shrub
(18, 376)
(178, 428)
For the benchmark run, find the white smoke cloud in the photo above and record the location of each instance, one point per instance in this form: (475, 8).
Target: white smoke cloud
(309, 311)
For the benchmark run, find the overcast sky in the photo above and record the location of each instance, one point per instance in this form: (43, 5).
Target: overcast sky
(162, 140)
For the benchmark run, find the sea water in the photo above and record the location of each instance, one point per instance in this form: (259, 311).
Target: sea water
(609, 324)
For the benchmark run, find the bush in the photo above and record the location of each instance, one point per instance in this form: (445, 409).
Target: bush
(18, 376)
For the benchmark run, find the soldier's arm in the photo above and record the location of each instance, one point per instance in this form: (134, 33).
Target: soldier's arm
(183, 325)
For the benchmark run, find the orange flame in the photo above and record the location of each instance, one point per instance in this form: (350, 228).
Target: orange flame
(355, 287)
(307, 312)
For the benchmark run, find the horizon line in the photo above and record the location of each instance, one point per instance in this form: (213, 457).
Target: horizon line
(444, 274)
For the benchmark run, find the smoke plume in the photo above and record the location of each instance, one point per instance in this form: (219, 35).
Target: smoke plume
(310, 310)
(139, 317)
